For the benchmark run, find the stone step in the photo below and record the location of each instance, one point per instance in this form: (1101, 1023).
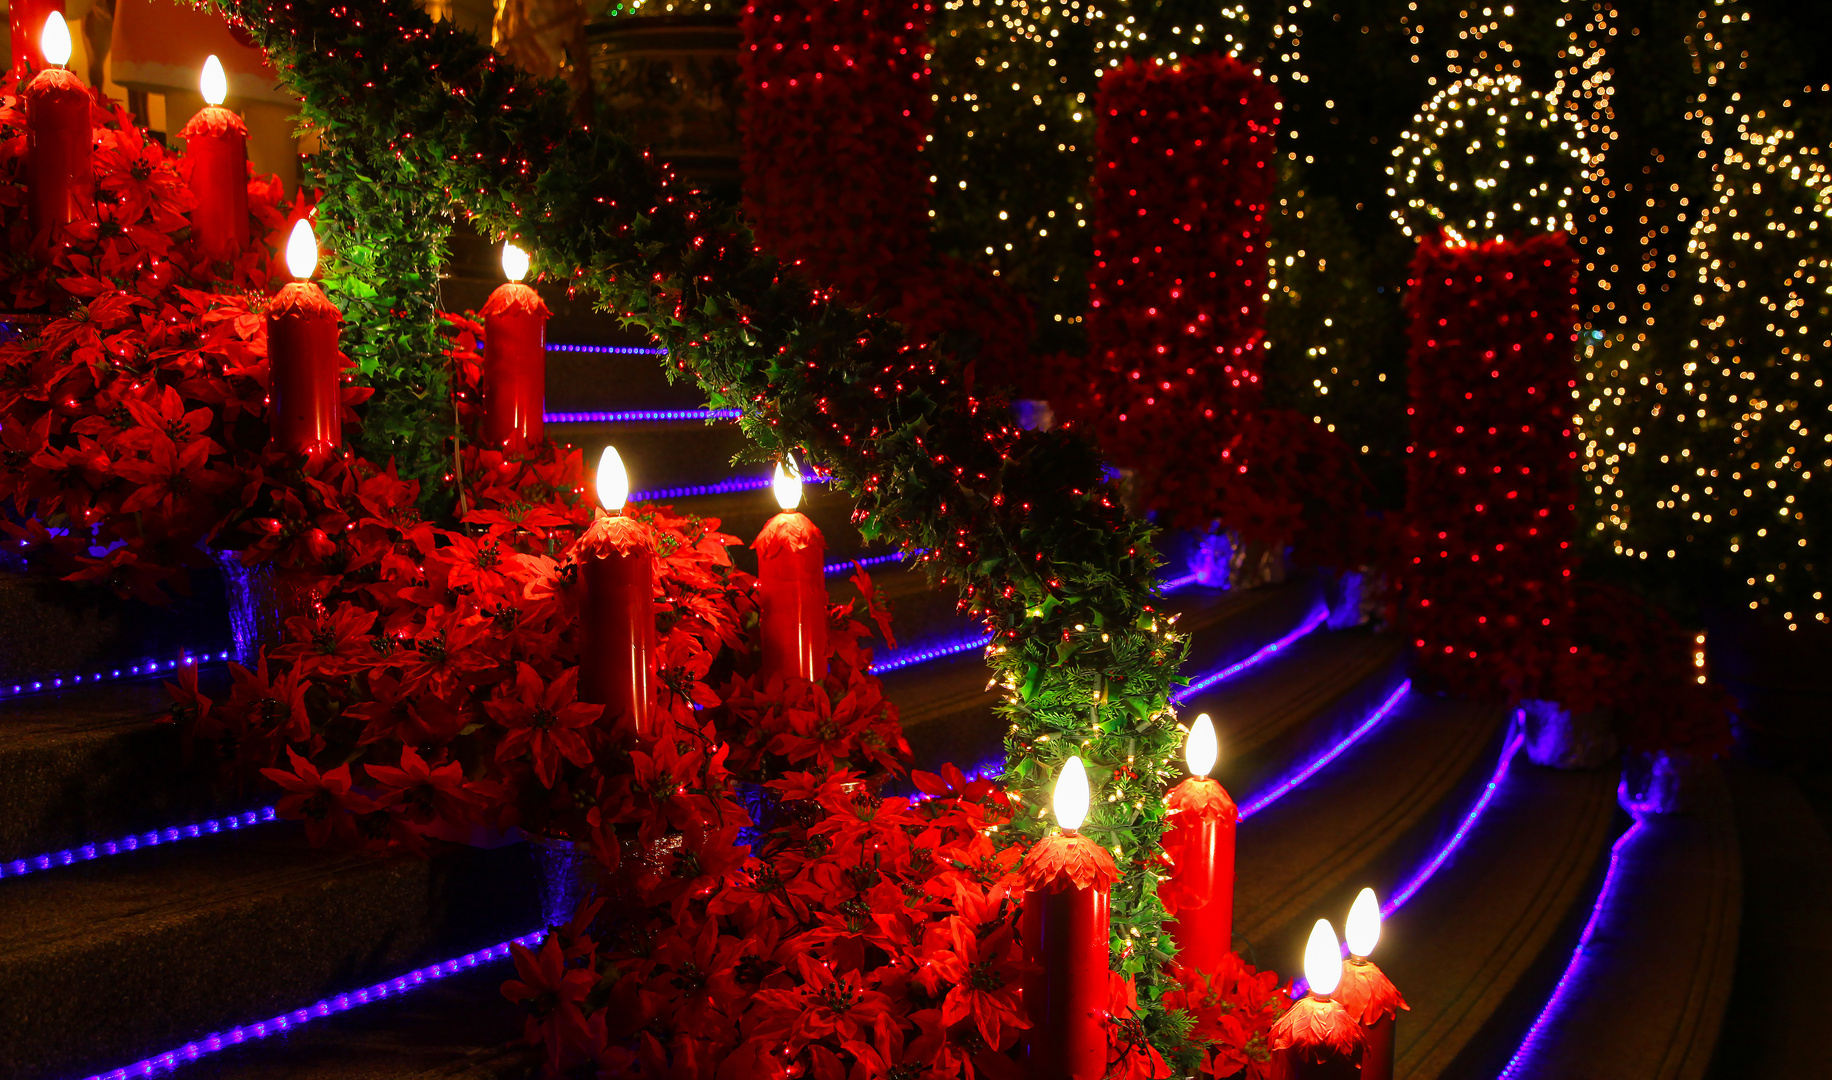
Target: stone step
(1664, 938)
(51, 628)
(103, 961)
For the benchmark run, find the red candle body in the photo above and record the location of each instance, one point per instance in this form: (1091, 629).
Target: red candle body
(27, 19)
(59, 180)
(1372, 1001)
(1200, 893)
(1069, 879)
(1317, 1040)
(514, 383)
(216, 166)
(303, 367)
(792, 593)
(617, 621)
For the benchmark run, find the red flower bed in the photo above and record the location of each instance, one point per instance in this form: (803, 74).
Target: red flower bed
(1493, 468)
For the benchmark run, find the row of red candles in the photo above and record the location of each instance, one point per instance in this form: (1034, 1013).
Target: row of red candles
(1069, 877)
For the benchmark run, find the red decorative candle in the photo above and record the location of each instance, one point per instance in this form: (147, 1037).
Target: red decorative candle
(27, 19)
(1366, 993)
(1316, 1039)
(792, 589)
(1068, 881)
(617, 609)
(216, 166)
(302, 360)
(514, 360)
(59, 180)
(1199, 841)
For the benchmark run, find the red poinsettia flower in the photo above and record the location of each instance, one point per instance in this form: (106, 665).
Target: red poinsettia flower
(552, 993)
(545, 721)
(172, 474)
(323, 801)
(424, 793)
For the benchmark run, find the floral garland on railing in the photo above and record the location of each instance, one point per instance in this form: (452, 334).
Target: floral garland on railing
(1022, 521)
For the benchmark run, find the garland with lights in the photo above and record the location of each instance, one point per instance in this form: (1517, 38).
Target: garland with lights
(1022, 521)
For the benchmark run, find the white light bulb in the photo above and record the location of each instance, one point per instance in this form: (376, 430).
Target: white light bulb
(788, 488)
(515, 262)
(1323, 959)
(302, 250)
(1200, 748)
(613, 481)
(213, 83)
(1363, 928)
(1071, 795)
(54, 42)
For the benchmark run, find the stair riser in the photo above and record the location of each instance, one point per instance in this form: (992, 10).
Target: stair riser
(55, 628)
(96, 1004)
(1248, 773)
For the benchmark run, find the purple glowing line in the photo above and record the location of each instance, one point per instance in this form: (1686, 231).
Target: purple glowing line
(1183, 582)
(642, 416)
(902, 658)
(609, 350)
(1315, 619)
(172, 1060)
(50, 683)
(1410, 889)
(1579, 956)
(723, 487)
(1284, 787)
(136, 841)
(874, 560)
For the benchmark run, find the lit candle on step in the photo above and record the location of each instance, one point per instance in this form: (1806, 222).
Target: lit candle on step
(27, 24)
(59, 179)
(1366, 993)
(302, 360)
(514, 383)
(1068, 881)
(617, 611)
(1316, 1039)
(216, 166)
(1199, 839)
(791, 589)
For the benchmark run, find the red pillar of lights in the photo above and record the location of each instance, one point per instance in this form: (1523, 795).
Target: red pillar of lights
(1183, 176)
(1493, 465)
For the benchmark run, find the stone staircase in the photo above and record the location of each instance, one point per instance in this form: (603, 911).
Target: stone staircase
(1347, 778)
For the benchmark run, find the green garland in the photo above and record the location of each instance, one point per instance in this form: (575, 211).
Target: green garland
(1022, 522)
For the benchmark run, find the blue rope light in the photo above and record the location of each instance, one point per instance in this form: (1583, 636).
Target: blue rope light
(1284, 787)
(723, 487)
(1580, 958)
(1316, 618)
(902, 658)
(610, 350)
(172, 1060)
(1432, 865)
(48, 683)
(136, 841)
(642, 416)
(874, 560)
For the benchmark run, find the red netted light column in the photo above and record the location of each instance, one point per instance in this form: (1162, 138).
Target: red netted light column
(1183, 175)
(1492, 475)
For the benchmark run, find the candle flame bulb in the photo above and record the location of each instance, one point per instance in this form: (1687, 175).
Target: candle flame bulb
(54, 42)
(302, 250)
(1071, 795)
(213, 83)
(1323, 959)
(788, 488)
(515, 262)
(1200, 748)
(1363, 927)
(613, 481)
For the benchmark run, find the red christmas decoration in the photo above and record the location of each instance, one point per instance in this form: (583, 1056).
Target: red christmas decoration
(1493, 469)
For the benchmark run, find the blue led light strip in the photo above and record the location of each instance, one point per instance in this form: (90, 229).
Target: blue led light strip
(723, 487)
(642, 416)
(47, 683)
(610, 350)
(136, 841)
(902, 658)
(1315, 619)
(846, 567)
(1301, 986)
(1284, 787)
(1580, 958)
(172, 1060)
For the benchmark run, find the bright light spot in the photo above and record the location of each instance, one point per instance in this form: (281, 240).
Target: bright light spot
(515, 262)
(1200, 749)
(302, 250)
(613, 481)
(55, 41)
(213, 83)
(1363, 927)
(1071, 795)
(1323, 959)
(788, 488)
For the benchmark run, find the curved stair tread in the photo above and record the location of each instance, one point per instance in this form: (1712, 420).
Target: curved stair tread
(172, 942)
(1666, 941)
(1368, 816)
(1487, 920)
